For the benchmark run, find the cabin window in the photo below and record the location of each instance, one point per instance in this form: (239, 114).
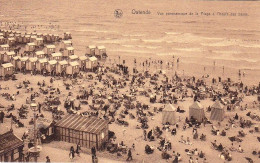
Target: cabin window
(102, 135)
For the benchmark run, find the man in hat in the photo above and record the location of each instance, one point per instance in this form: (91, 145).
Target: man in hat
(129, 155)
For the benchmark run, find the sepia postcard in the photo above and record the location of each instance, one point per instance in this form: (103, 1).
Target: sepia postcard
(142, 81)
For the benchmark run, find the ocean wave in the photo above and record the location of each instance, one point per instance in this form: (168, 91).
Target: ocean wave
(152, 41)
(189, 49)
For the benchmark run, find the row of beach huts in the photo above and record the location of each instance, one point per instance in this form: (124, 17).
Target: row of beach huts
(49, 59)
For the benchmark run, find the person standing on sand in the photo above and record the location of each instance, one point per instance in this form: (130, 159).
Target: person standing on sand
(2, 115)
(129, 155)
(78, 149)
(145, 135)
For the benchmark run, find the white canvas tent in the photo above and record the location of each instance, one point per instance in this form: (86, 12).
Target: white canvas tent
(217, 111)
(168, 114)
(196, 111)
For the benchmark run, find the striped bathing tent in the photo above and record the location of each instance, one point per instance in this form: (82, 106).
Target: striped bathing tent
(196, 111)
(168, 114)
(217, 111)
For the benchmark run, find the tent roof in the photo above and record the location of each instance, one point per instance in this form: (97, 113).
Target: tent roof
(67, 42)
(64, 62)
(196, 105)
(169, 107)
(44, 60)
(92, 58)
(217, 105)
(83, 57)
(39, 52)
(91, 46)
(50, 46)
(58, 54)
(24, 58)
(33, 59)
(70, 48)
(10, 53)
(81, 123)
(73, 57)
(52, 62)
(75, 63)
(6, 65)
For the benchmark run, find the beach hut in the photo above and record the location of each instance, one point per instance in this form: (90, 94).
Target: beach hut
(49, 49)
(8, 56)
(196, 111)
(169, 114)
(56, 56)
(11, 148)
(73, 68)
(46, 128)
(7, 69)
(82, 62)
(26, 39)
(87, 131)
(38, 41)
(1, 34)
(217, 111)
(2, 40)
(66, 43)
(39, 35)
(40, 54)
(4, 47)
(41, 64)
(69, 51)
(14, 61)
(73, 58)
(67, 36)
(31, 64)
(30, 47)
(51, 67)
(45, 37)
(22, 63)
(18, 38)
(11, 41)
(91, 63)
(33, 34)
(33, 38)
(61, 67)
(56, 38)
(100, 52)
(91, 50)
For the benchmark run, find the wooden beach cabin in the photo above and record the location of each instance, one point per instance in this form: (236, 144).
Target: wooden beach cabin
(8, 56)
(26, 39)
(82, 62)
(11, 148)
(41, 64)
(87, 131)
(51, 67)
(61, 67)
(49, 49)
(100, 52)
(72, 68)
(21, 65)
(14, 61)
(56, 38)
(18, 38)
(73, 58)
(38, 41)
(39, 35)
(11, 41)
(66, 43)
(30, 47)
(56, 56)
(67, 36)
(91, 50)
(2, 40)
(40, 54)
(92, 63)
(31, 64)
(33, 38)
(68, 51)
(4, 47)
(7, 69)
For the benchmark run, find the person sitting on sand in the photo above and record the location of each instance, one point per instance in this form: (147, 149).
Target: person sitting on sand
(182, 140)
(191, 160)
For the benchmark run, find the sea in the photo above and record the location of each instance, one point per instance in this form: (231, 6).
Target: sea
(218, 38)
